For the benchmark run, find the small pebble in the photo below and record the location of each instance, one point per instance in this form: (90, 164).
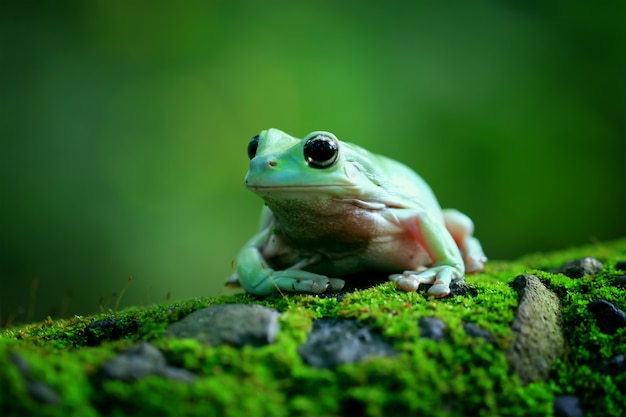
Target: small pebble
(581, 267)
(608, 317)
(140, 361)
(614, 366)
(568, 406)
(460, 287)
(332, 342)
(38, 390)
(432, 328)
(474, 331)
(109, 329)
(619, 282)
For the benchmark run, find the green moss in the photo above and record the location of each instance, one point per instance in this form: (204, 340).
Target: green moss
(458, 375)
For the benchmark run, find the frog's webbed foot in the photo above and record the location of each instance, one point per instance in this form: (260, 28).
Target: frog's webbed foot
(293, 280)
(439, 276)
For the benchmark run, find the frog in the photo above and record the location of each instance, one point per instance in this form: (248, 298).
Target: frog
(335, 210)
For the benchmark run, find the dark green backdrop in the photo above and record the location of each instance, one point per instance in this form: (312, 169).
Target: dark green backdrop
(124, 127)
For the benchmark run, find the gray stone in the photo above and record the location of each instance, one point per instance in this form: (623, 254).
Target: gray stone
(38, 390)
(460, 287)
(139, 361)
(608, 317)
(538, 336)
(332, 342)
(619, 282)
(580, 268)
(229, 324)
(614, 366)
(109, 329)
(568, 406)
(432, 328)
(477, 332)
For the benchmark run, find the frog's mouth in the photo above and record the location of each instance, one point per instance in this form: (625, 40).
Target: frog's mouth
(308, 191)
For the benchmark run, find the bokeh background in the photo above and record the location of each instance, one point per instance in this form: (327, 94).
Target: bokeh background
(124, 127)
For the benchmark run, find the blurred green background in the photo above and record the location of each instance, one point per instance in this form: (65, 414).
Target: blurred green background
(124, 128)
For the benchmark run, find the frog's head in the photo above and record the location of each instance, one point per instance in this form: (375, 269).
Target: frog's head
(318, 164)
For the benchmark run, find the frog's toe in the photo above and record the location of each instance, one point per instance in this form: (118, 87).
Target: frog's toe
(335, 284)
(316, 285)
(405, 282)
(473, 265)
(439, 289)
(233, 281)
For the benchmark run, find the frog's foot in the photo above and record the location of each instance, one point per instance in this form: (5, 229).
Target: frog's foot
(439, 276)
(233, 281)
(461, 228)
(473, 256)
(298, 281)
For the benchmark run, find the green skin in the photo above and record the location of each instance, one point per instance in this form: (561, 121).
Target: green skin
(362, 212)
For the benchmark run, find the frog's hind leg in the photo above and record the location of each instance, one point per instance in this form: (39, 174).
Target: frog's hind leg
(461, 228)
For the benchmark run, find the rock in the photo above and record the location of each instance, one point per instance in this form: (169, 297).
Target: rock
(621, 265)
(339, 295)
(460, 287)
(431, 328)
(231, 324)
(39, 391)
(568, 406)
(474, 331)
(608, 317)
(332, 342)
(614, 366)
(139, 361)
(580, 268)
(619, 282)
(109, 329)
(538, 337)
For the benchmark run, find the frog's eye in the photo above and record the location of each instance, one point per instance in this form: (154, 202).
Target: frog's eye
(252, 145)
(321, 151)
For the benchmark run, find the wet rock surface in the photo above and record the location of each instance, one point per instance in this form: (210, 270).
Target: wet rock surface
(580, 268)
(621, 265)
(608, 317)
(139, 361)
(38, 390)
(332, 342)
(568, 406)
(538, 335)
(229, 324)
(432, 328)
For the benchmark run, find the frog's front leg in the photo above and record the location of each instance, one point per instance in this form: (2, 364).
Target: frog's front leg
(447, 266)
(257, 277)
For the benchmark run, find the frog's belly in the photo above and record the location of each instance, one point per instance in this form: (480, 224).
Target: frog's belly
(347, 238)
(390, 256)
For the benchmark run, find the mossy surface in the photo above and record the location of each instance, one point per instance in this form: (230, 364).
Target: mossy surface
(458, 375)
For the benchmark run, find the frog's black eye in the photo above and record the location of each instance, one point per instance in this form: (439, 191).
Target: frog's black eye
(252, 145)
(321, 151)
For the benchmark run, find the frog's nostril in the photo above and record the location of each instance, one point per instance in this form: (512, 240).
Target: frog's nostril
(272, 163)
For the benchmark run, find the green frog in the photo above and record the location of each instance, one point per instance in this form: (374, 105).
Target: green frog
(334, 209)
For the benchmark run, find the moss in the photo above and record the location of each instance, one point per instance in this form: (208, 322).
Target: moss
(458, 375)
